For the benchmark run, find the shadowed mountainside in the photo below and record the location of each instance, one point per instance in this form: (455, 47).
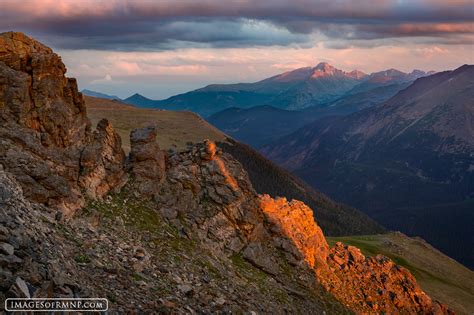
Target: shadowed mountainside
(408, 163)
(262, 125)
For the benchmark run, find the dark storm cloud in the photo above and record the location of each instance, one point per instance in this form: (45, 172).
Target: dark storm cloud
(157, 25)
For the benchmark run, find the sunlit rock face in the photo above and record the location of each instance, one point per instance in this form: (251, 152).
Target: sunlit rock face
(366, 284)
(36, 94)
(295, 221)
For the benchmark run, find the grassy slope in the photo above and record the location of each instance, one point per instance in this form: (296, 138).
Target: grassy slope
(173, 127)
(440, 276)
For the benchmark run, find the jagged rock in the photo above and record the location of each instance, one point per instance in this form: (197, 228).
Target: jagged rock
(102, 162)
(140, 253)
(10, 261)
(213, 193)
(44, 128)
(147, 161)
(220, 301)
(186, 289)
(169, 213)
(372, 275)
(294, 221)
(3, 231)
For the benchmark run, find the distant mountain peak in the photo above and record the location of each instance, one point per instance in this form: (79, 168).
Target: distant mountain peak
(324, 66)
(418, 72)
(137, 96)
(140, 101)
(324, 69)
(386, 75)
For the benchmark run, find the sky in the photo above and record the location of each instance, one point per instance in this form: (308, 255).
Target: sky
(159, 48)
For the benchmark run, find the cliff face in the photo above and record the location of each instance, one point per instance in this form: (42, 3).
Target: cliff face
(44, 128)
(187, 225)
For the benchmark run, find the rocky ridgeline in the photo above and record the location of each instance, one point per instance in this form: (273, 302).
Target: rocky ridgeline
(176, 232)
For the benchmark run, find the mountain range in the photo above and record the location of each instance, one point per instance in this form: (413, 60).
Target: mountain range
(261, 125)
(408, 162)
(292, 90)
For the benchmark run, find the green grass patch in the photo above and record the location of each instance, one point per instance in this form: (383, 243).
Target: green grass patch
(137, 277)
(82, 259)
(111, 298)
(248, 270)
(134, 212)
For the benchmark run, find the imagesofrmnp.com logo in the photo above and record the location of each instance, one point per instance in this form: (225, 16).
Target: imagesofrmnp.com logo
(57, 304)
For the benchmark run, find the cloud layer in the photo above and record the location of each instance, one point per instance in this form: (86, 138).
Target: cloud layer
(163, 25)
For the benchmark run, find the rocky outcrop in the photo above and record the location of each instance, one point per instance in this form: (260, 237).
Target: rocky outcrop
(122, 249)
(44, 129)
(147, 161)
(293, 221)
(379, 284)
(365, 284)
(212, 193)
(208, 195)
(102, 162)
(36, 94)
